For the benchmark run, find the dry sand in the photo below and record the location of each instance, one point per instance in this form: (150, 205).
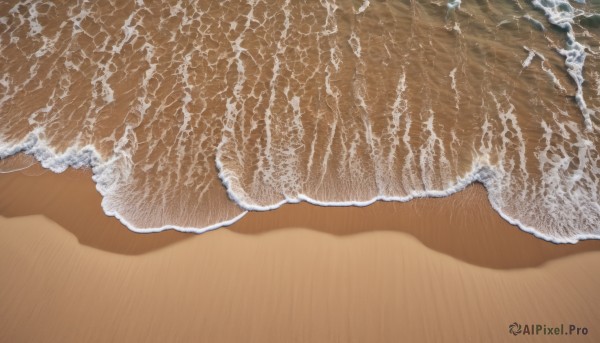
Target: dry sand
(446, 269)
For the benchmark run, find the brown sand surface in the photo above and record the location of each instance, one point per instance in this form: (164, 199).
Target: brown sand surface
(447, 269)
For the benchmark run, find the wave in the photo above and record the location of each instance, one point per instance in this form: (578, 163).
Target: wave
(191, 115)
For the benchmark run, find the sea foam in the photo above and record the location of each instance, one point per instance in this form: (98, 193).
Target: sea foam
(191, 115)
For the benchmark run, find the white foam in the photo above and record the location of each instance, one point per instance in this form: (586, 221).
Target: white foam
(536, 23)
(456, 28)
(505, 21)
(561, 14)
(485, 147)
(280, 165)
(35, 27)
(354, 42)
(528, 60)
(76, 19)
(363, 7)
(399, 108)
(453, 4)
(508, 120)
(48, 45)
(330, 26)
(484, 174)
(545, 68)
(553, 77)
(452, 76)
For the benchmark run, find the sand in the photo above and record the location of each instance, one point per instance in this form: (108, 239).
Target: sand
(447, 269)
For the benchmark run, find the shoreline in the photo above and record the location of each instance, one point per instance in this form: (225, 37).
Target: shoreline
(467, 212)
(86, 165)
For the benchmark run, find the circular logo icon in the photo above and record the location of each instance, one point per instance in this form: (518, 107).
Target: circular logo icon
(514, 328)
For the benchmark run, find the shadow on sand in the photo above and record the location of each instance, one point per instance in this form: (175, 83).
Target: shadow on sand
(463, 225)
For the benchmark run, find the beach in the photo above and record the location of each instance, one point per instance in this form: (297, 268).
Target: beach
(299, 171)
(447, 269)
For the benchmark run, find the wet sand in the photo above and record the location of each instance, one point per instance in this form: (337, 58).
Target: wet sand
(447, 269)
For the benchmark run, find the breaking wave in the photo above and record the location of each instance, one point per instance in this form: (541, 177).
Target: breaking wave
(192, 113)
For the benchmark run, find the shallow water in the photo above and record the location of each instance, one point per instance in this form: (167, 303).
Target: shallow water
(191, 113)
